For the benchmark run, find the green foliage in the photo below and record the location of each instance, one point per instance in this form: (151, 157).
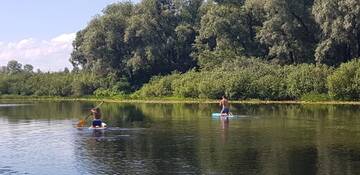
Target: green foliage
(102, 92)
(315, 97)
(307, 78)
(28, 68)
(256, 79)
(289, 30)
(271, 87)
(344, 83)
(186, 86)
(212, 84)
(14, 67)
(57, 84)
(138, 41)
(158, 87)
(246, 49)
(227, 29)
(339, 21)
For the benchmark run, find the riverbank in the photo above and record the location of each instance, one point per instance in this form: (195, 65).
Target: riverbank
(169, 100)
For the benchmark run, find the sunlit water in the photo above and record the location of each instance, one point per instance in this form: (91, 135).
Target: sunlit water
(40, 138)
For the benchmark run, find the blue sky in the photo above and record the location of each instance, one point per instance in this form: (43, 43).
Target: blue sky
(40, 32)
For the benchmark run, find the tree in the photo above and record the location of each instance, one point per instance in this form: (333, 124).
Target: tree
(151, 38)
(28, 68)
(66, 70)
(14, 67)
(100, 46)
(38, 71)
(340, 24)
(189, 11)
(289, 31)
(229, 27)
(139, 41)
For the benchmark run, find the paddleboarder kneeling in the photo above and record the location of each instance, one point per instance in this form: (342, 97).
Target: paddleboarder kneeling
(97, 117)
(224, 103)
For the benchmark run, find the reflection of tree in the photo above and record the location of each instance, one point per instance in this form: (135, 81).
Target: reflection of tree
(124, 115)
(274, 139)
(42, 111)
(165, 147)
(285, 139)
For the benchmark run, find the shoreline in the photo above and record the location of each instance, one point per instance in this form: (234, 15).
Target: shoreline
(179, 101)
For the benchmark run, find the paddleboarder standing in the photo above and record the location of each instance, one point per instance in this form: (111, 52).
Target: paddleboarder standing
(224, 103)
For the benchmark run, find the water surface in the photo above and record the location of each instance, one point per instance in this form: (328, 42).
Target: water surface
(40, 138)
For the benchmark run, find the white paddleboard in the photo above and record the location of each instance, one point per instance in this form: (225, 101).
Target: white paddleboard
(103, 126)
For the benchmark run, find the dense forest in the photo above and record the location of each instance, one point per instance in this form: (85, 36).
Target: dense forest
(245, 49)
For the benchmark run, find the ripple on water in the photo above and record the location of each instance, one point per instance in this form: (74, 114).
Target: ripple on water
(9, 170)
(13, 105)
(33, 145)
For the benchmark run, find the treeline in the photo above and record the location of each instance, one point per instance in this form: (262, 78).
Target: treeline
(16, 79)
(156, 37)
(265, 49)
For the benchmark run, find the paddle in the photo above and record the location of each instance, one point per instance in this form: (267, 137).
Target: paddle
(82, 122)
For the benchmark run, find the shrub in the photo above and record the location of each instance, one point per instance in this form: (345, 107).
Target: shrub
(315, 97)
(238, 85)
(270, 87)
(307, 78)
(212, 84)
(102, 92)
(158, 87)
(344, 83)
(187, 85)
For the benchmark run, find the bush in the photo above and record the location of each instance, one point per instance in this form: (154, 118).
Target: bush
(270, 87)
(307, 78)
(344, 83)
(158, 87)
(315, 97)
(211, 84)
(187, 85)
(238, 85)
(102, 92)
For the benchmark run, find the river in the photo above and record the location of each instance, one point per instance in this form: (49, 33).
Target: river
(40, 138)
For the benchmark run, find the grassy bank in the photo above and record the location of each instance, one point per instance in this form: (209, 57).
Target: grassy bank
(169, 100)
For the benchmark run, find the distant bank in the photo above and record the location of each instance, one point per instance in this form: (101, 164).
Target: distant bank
(172, 100)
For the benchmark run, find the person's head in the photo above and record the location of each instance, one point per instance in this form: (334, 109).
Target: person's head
(224, 97)
(95, 110)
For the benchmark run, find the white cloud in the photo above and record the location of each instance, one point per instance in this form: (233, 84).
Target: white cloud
(47, 55)
(64, 38)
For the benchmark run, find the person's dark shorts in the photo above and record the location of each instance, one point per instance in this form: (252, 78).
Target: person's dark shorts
(225, 110)
(96, 123)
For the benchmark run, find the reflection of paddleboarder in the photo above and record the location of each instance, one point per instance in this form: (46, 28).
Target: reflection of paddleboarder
(224, 128)
(224, 122)
(224, 103)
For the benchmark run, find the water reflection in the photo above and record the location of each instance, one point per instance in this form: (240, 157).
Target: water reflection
(224, 129)
(180, 138)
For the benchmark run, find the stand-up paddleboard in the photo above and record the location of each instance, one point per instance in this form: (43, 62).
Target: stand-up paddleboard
(103, 126)
(217, 114)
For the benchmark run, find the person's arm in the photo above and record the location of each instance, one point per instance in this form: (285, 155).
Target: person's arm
(93, 113)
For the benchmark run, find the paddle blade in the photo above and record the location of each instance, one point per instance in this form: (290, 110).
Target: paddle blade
(81, 123)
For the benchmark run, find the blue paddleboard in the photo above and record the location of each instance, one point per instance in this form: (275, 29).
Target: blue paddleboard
(217, 114)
